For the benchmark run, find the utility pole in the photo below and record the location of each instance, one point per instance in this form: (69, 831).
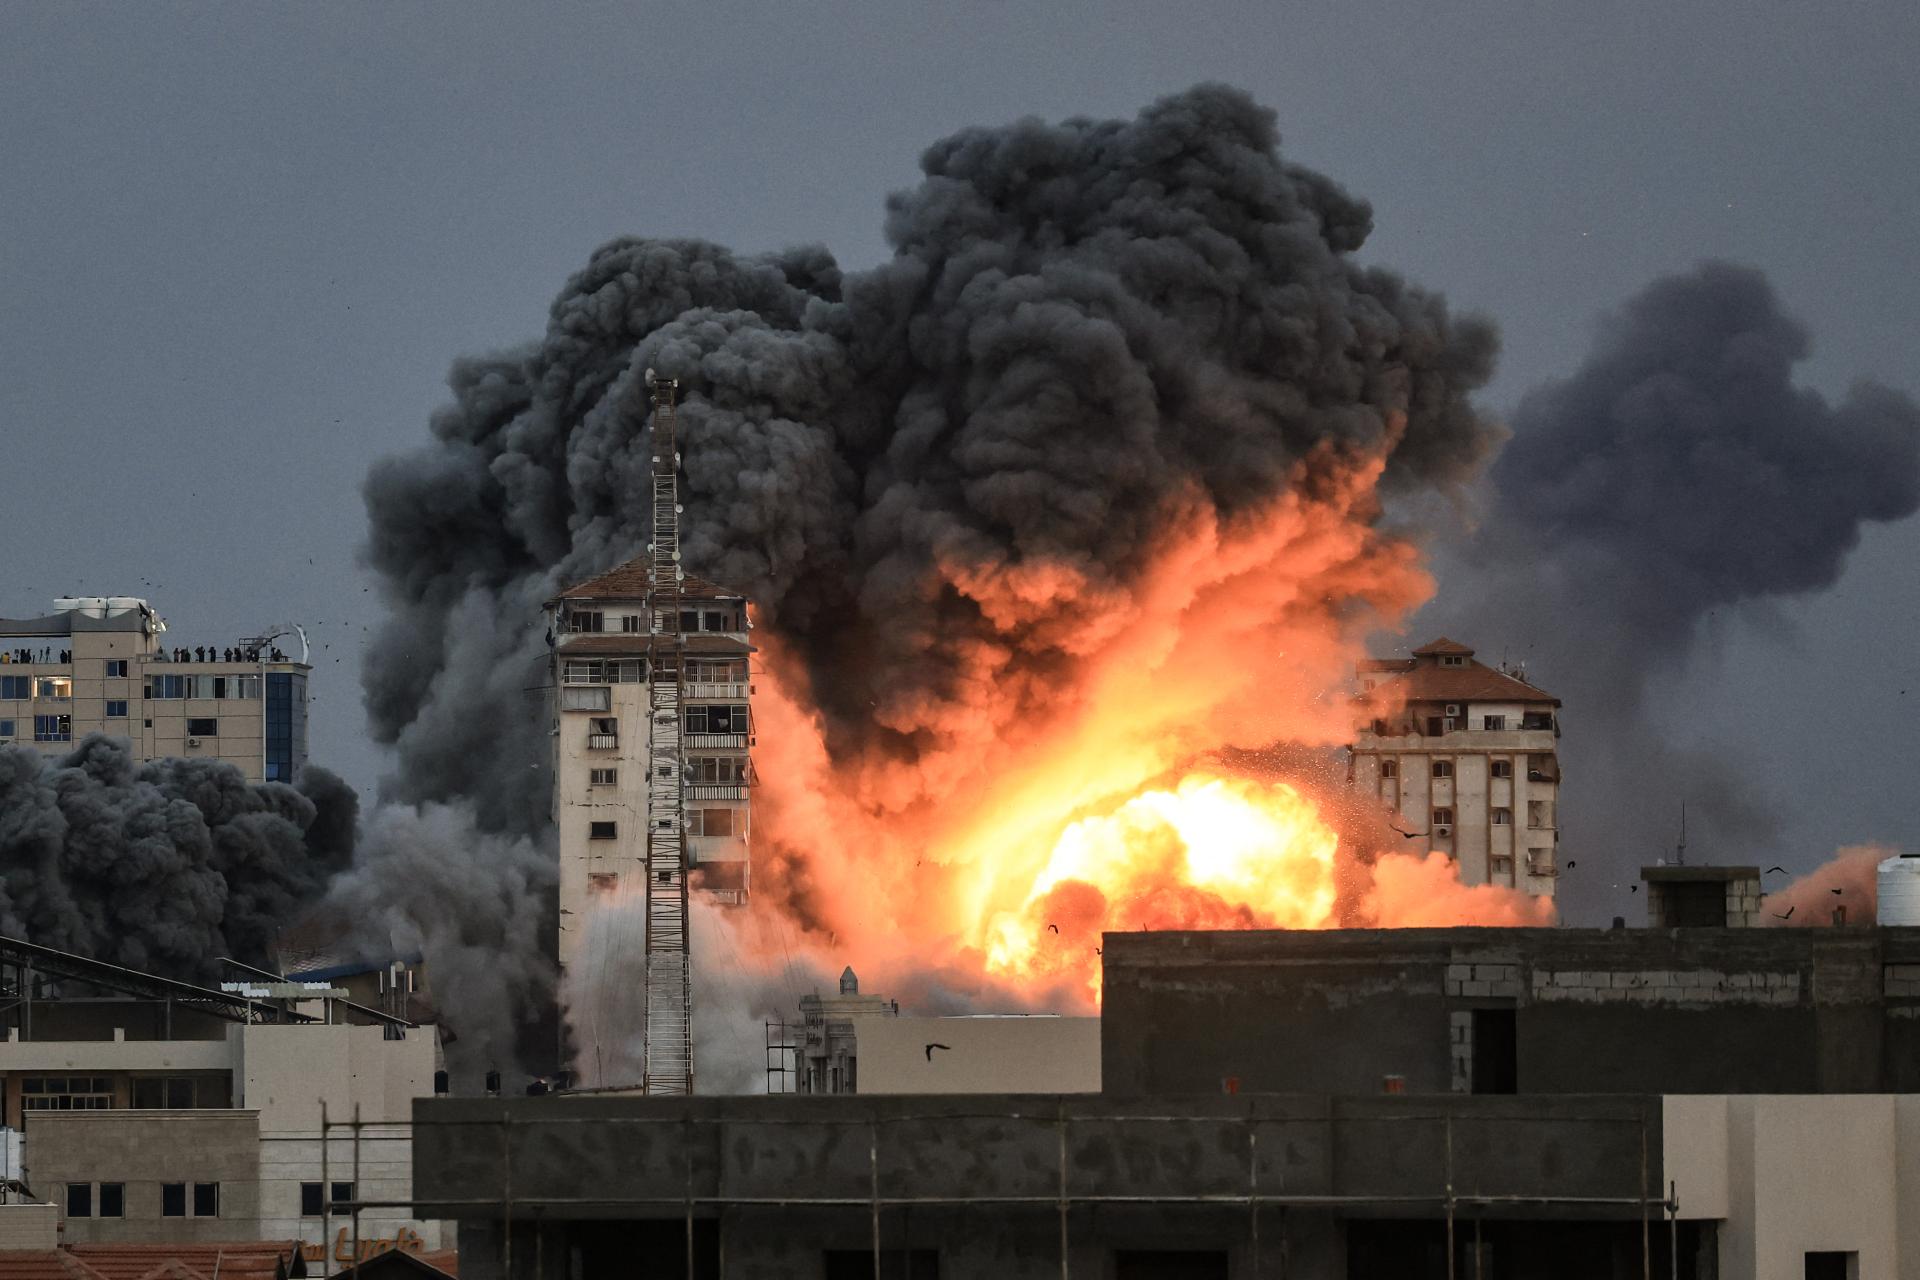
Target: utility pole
(669, 1052)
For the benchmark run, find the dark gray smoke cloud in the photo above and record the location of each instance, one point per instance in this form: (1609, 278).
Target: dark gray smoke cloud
(164, 866)
(1080, 325)
(1679, 471)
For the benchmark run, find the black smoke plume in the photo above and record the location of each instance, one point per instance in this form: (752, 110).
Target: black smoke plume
(1081, 327)
(163, 866)
(1679, 471)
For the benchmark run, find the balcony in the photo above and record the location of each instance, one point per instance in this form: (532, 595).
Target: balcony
(603, 742)
(717, 691)
(736, 740)
(716, 791)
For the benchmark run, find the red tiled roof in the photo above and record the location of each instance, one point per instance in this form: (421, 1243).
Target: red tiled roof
(1474, 682)
(629, 582)
(447, 1260)
(233, 1259)
(43, 1264)
(1443, 645)
(389, 1261)
(173, 1269)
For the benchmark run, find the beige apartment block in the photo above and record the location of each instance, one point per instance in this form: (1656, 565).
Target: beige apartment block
(1465, 757)
(603, 632)
(107, 664)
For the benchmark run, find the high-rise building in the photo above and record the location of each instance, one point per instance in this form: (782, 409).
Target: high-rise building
(602, 736)
(1465, 756)
(102, 664)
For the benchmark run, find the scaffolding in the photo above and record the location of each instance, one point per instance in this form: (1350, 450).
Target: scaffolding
(669, 1043)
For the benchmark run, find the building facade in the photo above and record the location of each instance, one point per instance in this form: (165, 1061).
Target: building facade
(105, 665)
(602, 727)
(1466, 759)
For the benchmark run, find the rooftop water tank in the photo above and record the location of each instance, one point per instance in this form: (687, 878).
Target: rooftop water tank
(1899, 888)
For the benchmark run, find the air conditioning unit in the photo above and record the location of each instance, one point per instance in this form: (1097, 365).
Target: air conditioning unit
(193, 742)
(1453, 708)
(1443, 831)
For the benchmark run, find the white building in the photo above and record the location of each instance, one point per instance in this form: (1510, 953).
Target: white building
(602, 737)
(100, 665)
(153, 1110)
(1465, 757)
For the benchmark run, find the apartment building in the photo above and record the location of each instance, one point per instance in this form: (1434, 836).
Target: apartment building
(107, 664)
(1465, 757)
(602, 729)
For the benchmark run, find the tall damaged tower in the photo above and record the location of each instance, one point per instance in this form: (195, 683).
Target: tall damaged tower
(652, 733)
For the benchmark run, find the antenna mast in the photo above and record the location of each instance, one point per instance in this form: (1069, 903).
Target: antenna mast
(669, 1053)
(1680, 850)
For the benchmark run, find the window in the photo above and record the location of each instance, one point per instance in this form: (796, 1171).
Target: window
(156, 1093)
(633, 622)
(116, 709)
(711, 822)
(1443, 817)
(310, 1205)
(1833, 1265)
(716, 672)
(1443, 768)
(689, 620)
(173, 1199)
(6, 730)
(342, 1194)
(1502, 817)
(1379, 728)
(1452, 660)
(16, 687)
(603, 778)
(1503, 768)
(603, 831)
(113, 1200)
(603, 733)
(717, 769)
(203, 728)
(579, 622)
(53, 728)
(613, 671)
(1496, 1051)
(206, 686)
(895, 1264)
(56, 688)
(79, 1199)
(590, 698)
(116, 667)
(717, 719)
(1493, 722)
(1169, 1264)
(1389, 768)
(206, 1199)
(166, 686)
(1538, 815)
(712, 621)
(243, 687)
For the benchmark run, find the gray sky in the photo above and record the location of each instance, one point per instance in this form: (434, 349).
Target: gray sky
(239, 246)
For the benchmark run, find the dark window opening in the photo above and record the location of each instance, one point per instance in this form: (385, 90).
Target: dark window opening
(603, 831)
(1389, 768)
(116, 709)
(1503, 768)
(1833, 1265)
(342, 1195)
(173, 1200)
(1170, 1264)
(1696, 905)
(895, 1264)
(1443, 817)
(1496, 1051)
(1443, 768)
(1493, 723)
(113, 1200)
(206, 1199)
(203, 728)
(310, 1205)
(79, 1199)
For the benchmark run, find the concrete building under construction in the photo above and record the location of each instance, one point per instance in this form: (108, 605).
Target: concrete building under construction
(1722, 1102)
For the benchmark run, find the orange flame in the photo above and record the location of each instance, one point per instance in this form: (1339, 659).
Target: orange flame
(1061, 798)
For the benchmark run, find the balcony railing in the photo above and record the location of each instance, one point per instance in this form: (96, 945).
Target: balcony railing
(716, 791)
(716, 740)
(727, 691)
(603, 741)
